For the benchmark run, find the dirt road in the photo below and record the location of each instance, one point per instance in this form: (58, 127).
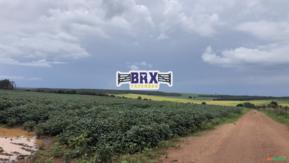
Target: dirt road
(254, 138)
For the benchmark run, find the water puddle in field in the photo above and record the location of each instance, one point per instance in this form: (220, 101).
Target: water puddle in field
(16, 144)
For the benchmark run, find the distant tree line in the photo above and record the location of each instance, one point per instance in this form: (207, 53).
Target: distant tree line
(240, 98)
(272, 104)
(100, 92)
(7, 84)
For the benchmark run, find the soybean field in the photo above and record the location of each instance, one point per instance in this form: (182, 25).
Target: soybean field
(105, 127)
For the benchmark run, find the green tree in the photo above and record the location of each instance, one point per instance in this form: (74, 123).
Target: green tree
(7, 84)
(273, 104)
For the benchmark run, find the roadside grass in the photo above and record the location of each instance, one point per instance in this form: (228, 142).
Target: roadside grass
(153, 155)
(233, 117)
(149, 155)
(200, 101)
(278, 117)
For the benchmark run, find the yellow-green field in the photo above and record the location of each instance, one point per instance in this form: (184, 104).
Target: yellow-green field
(199, 101)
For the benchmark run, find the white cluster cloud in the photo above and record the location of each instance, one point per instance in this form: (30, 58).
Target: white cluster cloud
(276, 52)
(30, 37)
(267, 30)
(263, 55)
(140, 66)
(192, 18)
(44, 32)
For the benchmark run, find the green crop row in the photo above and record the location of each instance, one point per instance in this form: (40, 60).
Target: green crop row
(105, 126)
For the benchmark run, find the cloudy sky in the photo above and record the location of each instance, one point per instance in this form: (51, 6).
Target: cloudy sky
(213, 46)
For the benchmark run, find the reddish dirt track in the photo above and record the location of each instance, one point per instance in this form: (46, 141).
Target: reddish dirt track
(254, 138)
